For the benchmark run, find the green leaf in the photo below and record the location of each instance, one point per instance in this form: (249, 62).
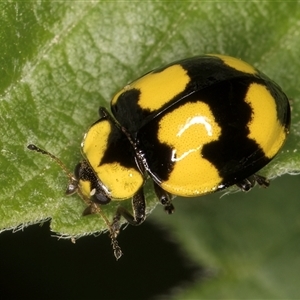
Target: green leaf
(61, 60)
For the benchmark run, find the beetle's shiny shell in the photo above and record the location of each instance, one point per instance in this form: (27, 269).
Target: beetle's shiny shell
(198, 125)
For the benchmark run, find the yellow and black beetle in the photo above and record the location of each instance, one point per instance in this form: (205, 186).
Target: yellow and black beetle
(195, 126)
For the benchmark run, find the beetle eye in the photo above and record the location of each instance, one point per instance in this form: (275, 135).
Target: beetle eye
(100, 198)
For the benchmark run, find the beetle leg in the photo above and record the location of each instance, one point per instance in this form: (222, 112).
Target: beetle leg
(248, 183)
(164, 198)
(262, 181)
(139, 212)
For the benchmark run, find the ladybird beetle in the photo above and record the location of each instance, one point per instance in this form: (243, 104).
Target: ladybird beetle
(195, 126)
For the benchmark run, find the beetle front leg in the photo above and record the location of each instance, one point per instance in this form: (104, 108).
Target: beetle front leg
(135, 219)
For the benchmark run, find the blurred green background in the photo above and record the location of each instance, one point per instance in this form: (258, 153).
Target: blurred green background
(59, 62)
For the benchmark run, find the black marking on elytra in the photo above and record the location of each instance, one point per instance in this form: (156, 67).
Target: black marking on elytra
(127, 111)
(233, 153)
(281, 100)
(157, 154)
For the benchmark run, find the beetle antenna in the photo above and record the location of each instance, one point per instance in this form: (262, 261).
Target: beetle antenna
(113, 233)
(33, 147)
(91, 206)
